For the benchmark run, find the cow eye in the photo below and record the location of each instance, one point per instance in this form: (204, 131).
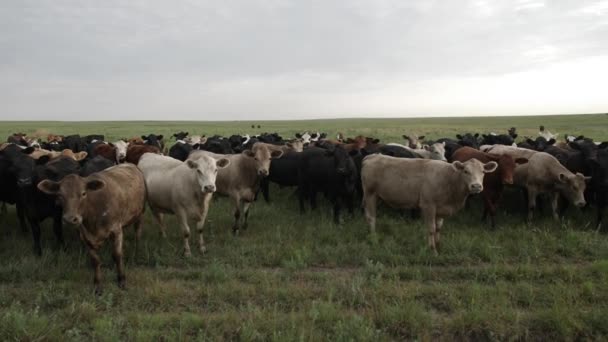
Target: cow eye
(84, 193)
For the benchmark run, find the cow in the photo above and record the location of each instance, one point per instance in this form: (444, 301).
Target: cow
(96, 164)
(497, 139)
(283, 171)
(514, 152)
(413, 140)
(181, 188)
(180, 135)
(332, 171)
(217, 144)
(437, 188)
(101, 205)
(450, 146)
(544, 174)
(154, 140)
(180, 151)
(493, 182)
(435, 151)
(9, 190)
(469, 139)
(134, 152)
(116, 151)
(18, 138)
(38, 153)
(241, 179)
(599, 182)
(39, 206)
(135, 141)
(296, 145)
(75, 143)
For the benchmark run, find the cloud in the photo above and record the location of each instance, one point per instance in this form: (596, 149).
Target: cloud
(283, 58)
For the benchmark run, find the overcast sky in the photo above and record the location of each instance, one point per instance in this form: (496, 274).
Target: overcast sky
(275, 59)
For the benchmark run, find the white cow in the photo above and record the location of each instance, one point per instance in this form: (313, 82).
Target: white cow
(181, 188)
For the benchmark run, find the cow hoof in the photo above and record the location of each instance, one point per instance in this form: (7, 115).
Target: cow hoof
(203, 249)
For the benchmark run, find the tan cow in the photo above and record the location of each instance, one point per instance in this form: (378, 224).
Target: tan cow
(181, 188)
(514, 152)
(241, 179)
(544, 174)
(78, 156)
(296, 145)
(437, 188)
(101, 205)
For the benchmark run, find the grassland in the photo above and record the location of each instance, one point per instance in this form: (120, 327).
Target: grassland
(293, 277)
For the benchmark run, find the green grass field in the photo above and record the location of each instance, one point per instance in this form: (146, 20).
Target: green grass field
(294, 277)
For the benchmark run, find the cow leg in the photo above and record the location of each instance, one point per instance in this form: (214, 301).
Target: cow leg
(337, 207)
(58, 230)
(555, 205)
(3, 211)
(438, 226)
(246, 206)
(601, 204)
(161, 223)
(429, 219)
(301, 199)
(183, 221)
(201, 224)
(265, 187)
(36, 235)
(117, 256)
(21, 216)
(237, 216)
(313, 199)
(532, 195)
(370, 211)
(137, 227)
(96, 263)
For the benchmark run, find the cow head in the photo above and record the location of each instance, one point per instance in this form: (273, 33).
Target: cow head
(297, 145)
(71, 193)
(468, 139)
(180, 135)
(572, 186)
(472, 172)
(506, 167)
(345, 166)
(437, 151)
(206, 169)
(413, 141)
(22, 165)
(262, 154)
(121, 150)
(153, 140)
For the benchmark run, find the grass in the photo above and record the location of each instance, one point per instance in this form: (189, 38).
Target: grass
(293, 277)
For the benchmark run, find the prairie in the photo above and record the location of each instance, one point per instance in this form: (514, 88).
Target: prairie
(301, 277)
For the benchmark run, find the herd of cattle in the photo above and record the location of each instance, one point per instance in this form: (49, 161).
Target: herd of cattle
(102, 187)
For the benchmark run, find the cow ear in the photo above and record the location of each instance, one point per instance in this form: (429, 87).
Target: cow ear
(192, 164)
(222, 163)
(375, 141)
(144, 137)
(298, 135)
(159, 137)
(290, 145)
(521, 161)
(249, 153)
(551, 141)
(43, 160)
(421, 137)
(426, 147)
(276, 154)
(562, 177)
(95, 184)
(490, 167)
(603, 145)
(49, 187)
(202, 140)
(458, 166)
(349, 140)
(405, 137)
(514, 136)
(574, 145)
(476, 135)
(459, 136)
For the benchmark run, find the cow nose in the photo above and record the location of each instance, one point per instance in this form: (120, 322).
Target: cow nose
(209, 188)
(72, 219)
(476, 188)
(508, 181)
(24, 181)
(580, 204)
(341, 170)
(263, 173)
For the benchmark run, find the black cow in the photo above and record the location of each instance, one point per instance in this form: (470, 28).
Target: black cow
(451, 146)
(236, 142)
(96, 164)
(180, 135)
(283, 171)
(75, 142)
(539, 144)
(154, 140)
(53, 146)
(599, 183)
(94, 137)
(499, 139)
(39, 206)
(468, 139)
(330, 171)
(8, 186)
(217, 144)
(181, 151)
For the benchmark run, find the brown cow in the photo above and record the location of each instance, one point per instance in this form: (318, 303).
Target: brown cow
(241, 178)
(135, 141)
(438, 188)
(493, 181)
(352, 144)
(134, 152)
(54, 138)
(101, 205)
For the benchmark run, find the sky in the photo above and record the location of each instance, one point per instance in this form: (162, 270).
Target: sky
(283, 59)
